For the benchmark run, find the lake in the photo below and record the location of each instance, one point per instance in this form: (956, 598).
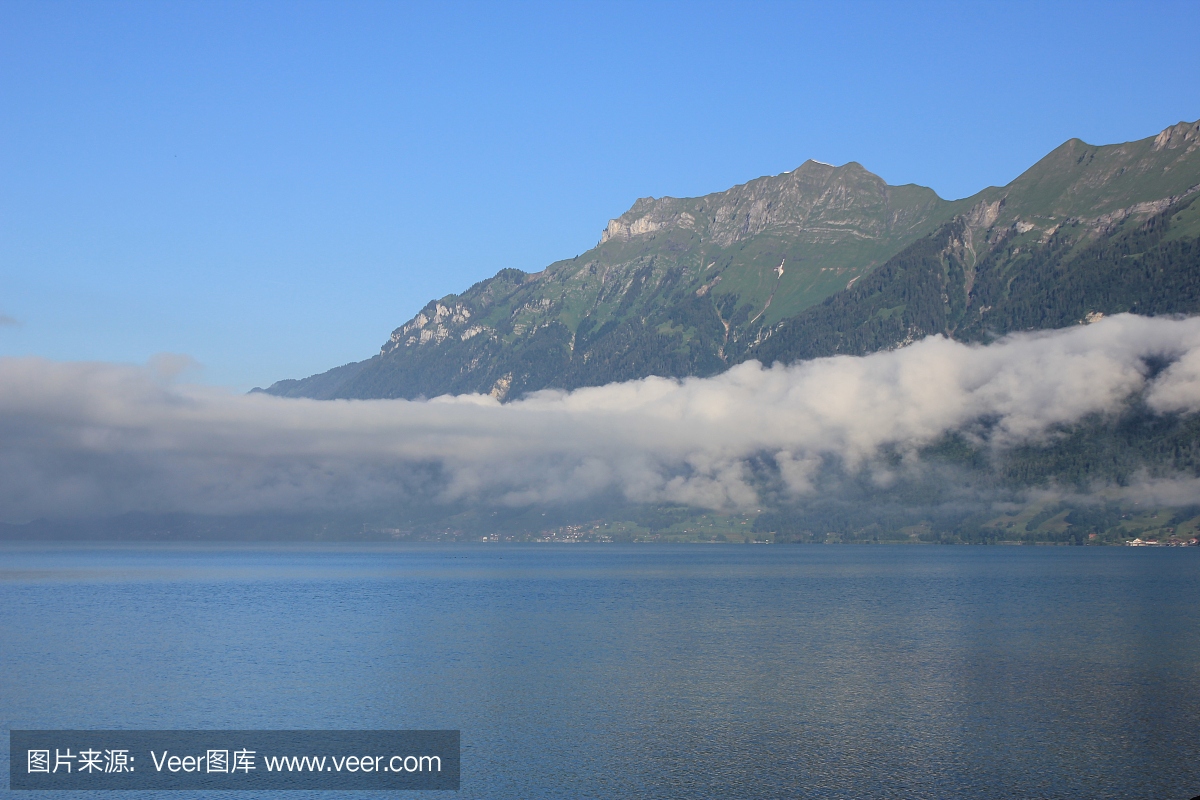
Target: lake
(640, 671)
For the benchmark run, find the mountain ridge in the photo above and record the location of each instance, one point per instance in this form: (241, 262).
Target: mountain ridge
(691, 286)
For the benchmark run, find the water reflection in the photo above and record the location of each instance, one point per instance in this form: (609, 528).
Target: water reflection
(641, 671)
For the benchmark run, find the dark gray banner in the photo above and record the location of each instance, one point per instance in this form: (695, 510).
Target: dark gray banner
(232, 760)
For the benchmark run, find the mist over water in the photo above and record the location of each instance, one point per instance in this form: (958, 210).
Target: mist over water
(88, 439)
(641, 671)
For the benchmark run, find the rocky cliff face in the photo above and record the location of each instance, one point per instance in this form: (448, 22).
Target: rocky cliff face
(816, 203)
(434, 327)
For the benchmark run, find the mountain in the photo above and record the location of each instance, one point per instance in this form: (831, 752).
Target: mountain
(816, 261)
(675, 286)
(1087, 231)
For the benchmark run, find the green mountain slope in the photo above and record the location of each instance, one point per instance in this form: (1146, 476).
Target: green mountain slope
(675, 287)
(816, 261)
(1054, 248)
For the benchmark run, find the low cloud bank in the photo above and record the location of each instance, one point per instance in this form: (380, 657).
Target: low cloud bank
(96, 439)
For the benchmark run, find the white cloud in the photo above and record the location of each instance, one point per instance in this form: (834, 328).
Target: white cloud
(82, 438)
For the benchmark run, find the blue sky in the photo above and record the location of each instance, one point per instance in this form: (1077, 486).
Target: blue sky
(271, 188)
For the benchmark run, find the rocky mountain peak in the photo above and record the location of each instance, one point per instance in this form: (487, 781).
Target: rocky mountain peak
(813, 194)
(1181, 134)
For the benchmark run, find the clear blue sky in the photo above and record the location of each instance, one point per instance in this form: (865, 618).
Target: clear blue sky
(271, 188)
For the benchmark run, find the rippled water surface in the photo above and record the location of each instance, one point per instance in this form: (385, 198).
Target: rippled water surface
(641, 671)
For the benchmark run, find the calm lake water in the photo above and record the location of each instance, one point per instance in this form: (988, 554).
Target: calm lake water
(641, 671)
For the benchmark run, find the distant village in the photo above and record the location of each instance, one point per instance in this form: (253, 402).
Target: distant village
(1173, 541)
